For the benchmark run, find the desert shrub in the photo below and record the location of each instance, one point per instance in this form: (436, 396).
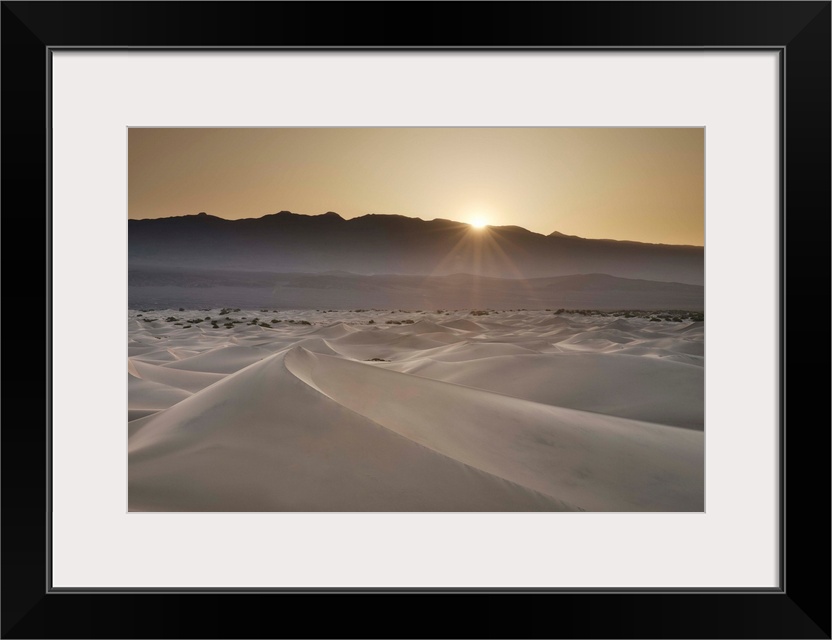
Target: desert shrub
(140, 315)
(275, 321)
(196, 320)
(304, 322)
(236, 310)
(171, 319)
(477, 312)
(376, 360)
(177, 323)
(224, 311)
(408, 321)
(181, 308)
(371, 322)
(654, 319)
(229, 325)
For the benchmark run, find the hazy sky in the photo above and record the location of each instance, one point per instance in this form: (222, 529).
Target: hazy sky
(625, 184)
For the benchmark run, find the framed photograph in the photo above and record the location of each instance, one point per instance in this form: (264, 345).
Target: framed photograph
(416, 311)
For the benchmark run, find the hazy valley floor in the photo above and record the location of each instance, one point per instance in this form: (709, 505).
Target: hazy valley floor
(448, 411)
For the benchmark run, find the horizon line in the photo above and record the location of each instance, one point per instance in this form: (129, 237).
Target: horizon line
(555, 233)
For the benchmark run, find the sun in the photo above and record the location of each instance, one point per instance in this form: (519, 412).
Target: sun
(478, 223)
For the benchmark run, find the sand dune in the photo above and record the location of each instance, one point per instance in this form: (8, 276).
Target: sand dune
(223, 359)
(511, 411)
(615, 385)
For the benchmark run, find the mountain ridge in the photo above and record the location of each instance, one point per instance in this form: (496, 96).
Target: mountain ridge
(396, 244)
(335, 215)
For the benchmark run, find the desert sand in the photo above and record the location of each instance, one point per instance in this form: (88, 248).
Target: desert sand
(376, 410)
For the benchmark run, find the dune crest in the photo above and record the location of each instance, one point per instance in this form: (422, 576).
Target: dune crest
(514, 411)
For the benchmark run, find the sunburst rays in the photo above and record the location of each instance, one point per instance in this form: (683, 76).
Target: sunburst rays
(479, 251)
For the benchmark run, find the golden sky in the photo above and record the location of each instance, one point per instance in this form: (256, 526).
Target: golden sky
(625, 184)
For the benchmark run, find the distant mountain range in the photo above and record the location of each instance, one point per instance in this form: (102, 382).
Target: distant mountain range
(287, 243)
(167, 288)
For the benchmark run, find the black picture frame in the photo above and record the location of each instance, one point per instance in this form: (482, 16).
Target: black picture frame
(798, 608)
